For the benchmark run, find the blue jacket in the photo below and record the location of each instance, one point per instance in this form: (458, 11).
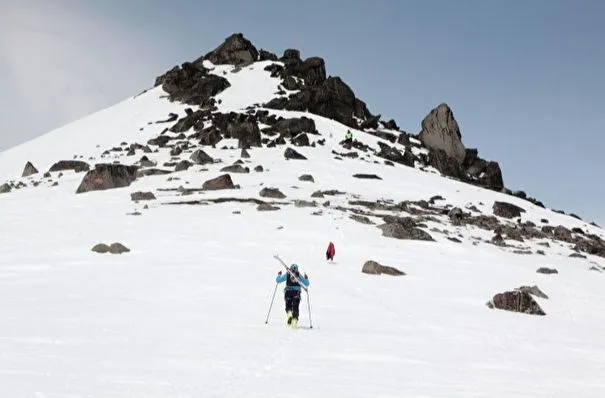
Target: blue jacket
(283, 277)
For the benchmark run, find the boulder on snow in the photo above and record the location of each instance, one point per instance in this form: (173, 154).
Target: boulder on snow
(182, 165)
(140, 196)
(201, 157)
(507, 210)
(223, 181)
(75, 165)
(266, 207)
(118, 248)
(402, 231)
(367, 176)
(29, 170)
(373, 268)
(5, 188)
(516, 301)
(107, 176)
(101, 248)
(547, 271)
(292, 154)
(274, 193)
(306, 177)
(114, 248)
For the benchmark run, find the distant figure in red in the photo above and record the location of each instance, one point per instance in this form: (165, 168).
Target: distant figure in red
(330, 252)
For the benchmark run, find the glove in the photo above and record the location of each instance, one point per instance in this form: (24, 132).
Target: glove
(279, 273)
(306, 277)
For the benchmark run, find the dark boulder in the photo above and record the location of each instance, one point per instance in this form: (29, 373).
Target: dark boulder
(139, 196)
(507, 210)
(374, 268)
(107, 176)
(406, 158)
(306, 177)
(403, 230)
(292, 127)
(235, 50)
(516, 301)
(75, 165)
(160, 141)
(209, 136)
(221, 182)
(191, 84)
(445, 164)
(312, 70)
(264, 55)
(29, 170)
(235, 168)
(440, 130)
(562, 233)
(201, 157)
(301, 140)
(290, 153)
(333, 99)
(274, 193)
(247, 133)
(547, 271)
(195, 119)
(367, 176)
(391, 125)
(183, 165)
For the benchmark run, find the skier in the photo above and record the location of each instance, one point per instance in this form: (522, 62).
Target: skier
(330, 252)
(348, 137)
(292, 292)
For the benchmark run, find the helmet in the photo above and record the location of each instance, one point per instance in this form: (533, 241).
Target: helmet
(294, 267)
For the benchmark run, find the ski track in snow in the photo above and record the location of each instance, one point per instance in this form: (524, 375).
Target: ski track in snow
(182, 314)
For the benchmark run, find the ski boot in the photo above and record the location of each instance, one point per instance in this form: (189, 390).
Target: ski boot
(289, 314)
(294, 323)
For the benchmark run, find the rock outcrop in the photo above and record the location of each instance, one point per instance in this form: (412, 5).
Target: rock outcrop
(507, 210)
(107, 176)
(235, 50)
(333, 99)
(76, 165)
(516, 301)
(29, 170)
(223, 181)
(440, 131)
(274, 193)
(373, 268)
(192, 84)
(140, 196)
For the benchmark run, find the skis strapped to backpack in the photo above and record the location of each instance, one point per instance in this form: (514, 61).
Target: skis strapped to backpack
(290, 272)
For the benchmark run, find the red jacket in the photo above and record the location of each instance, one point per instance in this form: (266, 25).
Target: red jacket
(331, 250)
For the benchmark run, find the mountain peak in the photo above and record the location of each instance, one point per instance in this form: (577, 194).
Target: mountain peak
(235, 50)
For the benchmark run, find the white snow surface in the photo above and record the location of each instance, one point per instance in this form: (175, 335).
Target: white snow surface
(183, 313)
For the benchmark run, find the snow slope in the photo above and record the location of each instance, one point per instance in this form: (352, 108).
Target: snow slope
(183, 314)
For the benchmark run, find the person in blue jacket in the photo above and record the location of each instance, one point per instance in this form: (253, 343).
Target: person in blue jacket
(292, 292)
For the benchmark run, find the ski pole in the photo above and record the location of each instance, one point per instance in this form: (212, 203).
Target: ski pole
(309, 307)
(272, 298)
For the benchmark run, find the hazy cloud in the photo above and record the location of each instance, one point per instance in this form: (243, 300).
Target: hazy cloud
(62, 63)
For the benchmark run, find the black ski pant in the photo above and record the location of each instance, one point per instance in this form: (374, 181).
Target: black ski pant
(292, 298)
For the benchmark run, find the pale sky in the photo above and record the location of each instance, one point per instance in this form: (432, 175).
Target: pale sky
(525, 79)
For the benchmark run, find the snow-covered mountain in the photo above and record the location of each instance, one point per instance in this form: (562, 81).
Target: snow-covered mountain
(468, 288)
